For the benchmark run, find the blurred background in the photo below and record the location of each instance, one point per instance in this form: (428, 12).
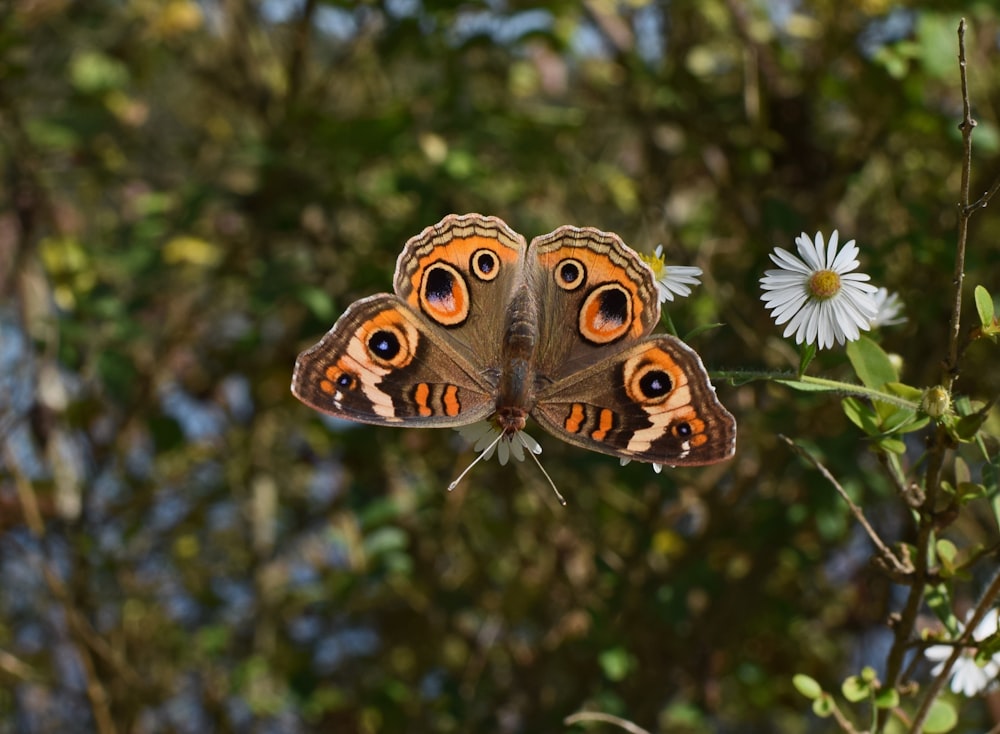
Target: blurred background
(192, 191)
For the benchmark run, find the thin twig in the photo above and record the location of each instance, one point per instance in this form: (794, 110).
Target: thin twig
(606, 718)
(983, 201)
(967, 125)
(883, 550)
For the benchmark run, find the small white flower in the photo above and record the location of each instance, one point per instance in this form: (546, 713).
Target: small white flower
(671, 280)
(656, 467)
(889, 309)
(819, 295)
(483, 436)
(967, 676)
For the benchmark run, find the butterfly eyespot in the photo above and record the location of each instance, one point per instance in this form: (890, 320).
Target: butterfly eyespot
(653, 378)
(346, 381)
(388, 340)
(485, 265)
(444, 295)
(570, 274)
(384, 345)
(683, 430)
(606, 314)
(655, 384)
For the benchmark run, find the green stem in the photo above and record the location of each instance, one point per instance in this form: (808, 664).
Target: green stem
(847, 388)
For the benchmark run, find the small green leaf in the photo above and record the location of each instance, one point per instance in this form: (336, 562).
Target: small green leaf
(824, 706)
(872, 365)
(807, 686)
(615, 663)
(896, 418)
(966, 428)
(946, 550)
(892, 445)
(940, 603)
(700, 330)
(318, 301)
(855, 689)
(901, 390)
(868, 674)
(968, 491)
(861, 415)
(947, 553)
(941, 718)
(915, 425)
(887, 698)
(806, 356)
(984, 305)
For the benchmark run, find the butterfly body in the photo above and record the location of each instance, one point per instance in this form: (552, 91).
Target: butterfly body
(484, 326)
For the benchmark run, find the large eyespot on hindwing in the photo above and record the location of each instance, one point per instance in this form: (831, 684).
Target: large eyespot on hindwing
(569, 274)
(388, 342)
(444, 294)
(485, 264)
(655, 381)
(606, 314)
(652, 377)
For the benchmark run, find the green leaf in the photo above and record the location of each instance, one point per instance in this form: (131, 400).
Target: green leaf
(855, 689)
(805, 357)
(861, 415)
(968, 491)
(967, 427)
(887, 698)
(947, 553)
(892, 445)
(807, 686)
(984, 305)
(615, 663)
(896, 418)
(824, 706)
(318, 301)
(946, 550)
(385, 540)
(941, 718)
(902, 390)
(940, 603)
(872, 365)
(701, 329)
(93, 72)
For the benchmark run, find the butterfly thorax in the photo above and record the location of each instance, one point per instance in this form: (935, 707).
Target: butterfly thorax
(516, 389)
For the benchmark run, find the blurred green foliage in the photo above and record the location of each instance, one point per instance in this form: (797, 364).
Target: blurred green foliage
(192, 192)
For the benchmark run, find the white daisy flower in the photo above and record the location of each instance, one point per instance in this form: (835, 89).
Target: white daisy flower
(656, 467)
(486, 439)
(671, 280)
(968, 677)
(819, 295)
(889, 309)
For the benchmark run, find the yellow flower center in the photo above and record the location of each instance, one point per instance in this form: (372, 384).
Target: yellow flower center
(824, 284)
(657, 264)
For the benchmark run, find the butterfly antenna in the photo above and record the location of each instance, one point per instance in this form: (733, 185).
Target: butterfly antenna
(482, 454)
(562, 500)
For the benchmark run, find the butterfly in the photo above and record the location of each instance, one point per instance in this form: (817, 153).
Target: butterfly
(483, 325)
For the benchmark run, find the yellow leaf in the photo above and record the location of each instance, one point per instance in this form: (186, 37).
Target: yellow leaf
(191, 251)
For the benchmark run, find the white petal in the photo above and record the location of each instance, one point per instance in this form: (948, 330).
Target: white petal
(938, 652)
(530, 443)
(503, 451)
(516, 448)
